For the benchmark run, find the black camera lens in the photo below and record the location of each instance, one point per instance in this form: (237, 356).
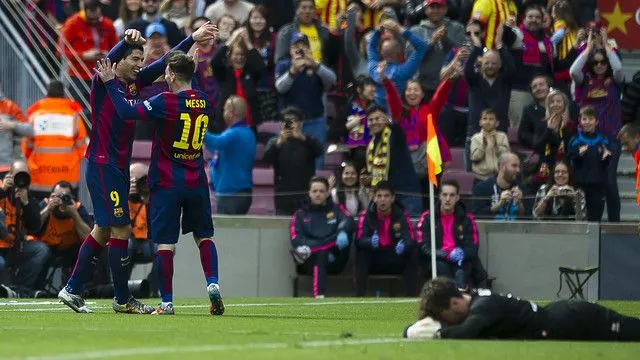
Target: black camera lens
(67, 199)
(21, 180)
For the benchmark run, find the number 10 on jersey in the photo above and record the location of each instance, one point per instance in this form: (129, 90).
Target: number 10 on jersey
(201, 124)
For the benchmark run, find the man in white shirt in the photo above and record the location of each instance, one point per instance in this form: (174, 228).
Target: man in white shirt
(239, 9)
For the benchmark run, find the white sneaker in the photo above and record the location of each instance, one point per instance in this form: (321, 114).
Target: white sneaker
(75, 302)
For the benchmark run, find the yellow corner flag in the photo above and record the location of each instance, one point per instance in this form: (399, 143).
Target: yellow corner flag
(434, 160)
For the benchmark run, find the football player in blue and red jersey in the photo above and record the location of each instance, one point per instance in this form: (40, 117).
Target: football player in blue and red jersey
(177, 178)
(109, 156)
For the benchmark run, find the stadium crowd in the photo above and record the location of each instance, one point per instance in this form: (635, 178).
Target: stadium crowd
(526, 95)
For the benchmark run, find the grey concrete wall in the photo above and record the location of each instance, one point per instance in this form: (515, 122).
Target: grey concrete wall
(524, 257)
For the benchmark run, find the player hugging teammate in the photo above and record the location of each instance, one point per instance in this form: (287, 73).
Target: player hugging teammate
(176, 176)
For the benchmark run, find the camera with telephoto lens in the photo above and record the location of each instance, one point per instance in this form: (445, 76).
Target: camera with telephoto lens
(67, 199)
(21, 180)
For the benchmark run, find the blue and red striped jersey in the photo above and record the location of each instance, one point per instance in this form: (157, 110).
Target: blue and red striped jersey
(111, 137)
(181, 121)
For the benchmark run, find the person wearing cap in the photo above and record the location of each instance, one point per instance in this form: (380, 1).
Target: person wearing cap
(302, 82)
(442, 35)
(157, 44)
(306, 23)
(151, 14)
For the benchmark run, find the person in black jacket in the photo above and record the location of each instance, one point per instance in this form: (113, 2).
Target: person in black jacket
(151, 14)
(292, 155)
(321, 234)
(448, 313)
(456, 237)
(22, 218)
(238, 62)
(385, 241)
(589, 155)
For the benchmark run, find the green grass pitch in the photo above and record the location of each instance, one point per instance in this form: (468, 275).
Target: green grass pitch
(262, 329)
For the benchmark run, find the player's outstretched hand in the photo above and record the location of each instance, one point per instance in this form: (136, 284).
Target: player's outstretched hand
(134, 37)
(206, 32)
(105, 70)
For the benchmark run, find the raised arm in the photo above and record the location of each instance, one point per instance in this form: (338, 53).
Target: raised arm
(394, 101)
(409, 68)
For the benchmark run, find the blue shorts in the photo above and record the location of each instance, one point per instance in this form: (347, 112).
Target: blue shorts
(166, 206)
(109, 190)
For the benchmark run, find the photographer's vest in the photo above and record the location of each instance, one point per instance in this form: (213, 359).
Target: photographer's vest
(138, 214)
(10, 213)
(58, 143)
(60, 233)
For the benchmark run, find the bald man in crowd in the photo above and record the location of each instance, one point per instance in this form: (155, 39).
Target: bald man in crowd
(234, 153)
(500, 197)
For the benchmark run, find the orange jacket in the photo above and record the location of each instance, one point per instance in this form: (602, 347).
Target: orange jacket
(58, 143)
(11, 109)
(138, 215)
(79, 36)
(60, 233)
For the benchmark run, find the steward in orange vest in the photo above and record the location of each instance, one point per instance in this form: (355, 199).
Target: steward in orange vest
(30, 217)
(62, 229)
(57, 146)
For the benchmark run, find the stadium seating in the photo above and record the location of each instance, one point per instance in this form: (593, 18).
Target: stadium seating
(457, 159)
(464, 179)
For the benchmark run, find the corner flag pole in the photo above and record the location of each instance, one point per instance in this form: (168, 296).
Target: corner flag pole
(432, 224)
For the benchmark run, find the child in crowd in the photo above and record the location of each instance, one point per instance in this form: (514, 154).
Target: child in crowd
(487, 145)
(589, 155)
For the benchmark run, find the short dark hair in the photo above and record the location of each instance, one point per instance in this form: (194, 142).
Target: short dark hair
(362, 81)
(450, 182)
(383, 186)
(489, 111)
(546, 78)
(589, 111)
(630, 129)
(130, 48)
(55, 89)
(436, 296)
(299, 2)
(63, 184)
(292, 111)
(476, 23)
(181, 64)
(319, 179)
(375, 108)
(92, 5)
(533, 7)
(194, 21)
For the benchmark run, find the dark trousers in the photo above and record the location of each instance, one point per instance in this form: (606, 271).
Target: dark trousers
(386, 262)
(319, 265)
(460, 274)
(581, 320)
(65, 259)
(594, 199)
(612, 193)
(453, 126)
(286, 205)
(236, 204)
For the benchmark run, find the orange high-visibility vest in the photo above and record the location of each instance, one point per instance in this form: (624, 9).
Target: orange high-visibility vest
(138, 215)
(60, 232)
(10, 214)
(58, 143)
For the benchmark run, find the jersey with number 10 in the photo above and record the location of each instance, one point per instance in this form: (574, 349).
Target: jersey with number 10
(181, 122)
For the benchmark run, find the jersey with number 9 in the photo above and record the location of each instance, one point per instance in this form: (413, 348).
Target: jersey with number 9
(181, 122)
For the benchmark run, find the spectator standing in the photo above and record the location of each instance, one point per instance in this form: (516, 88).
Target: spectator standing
(292, 156)
(442, 35)
(321, 235)
(347, 192)
(239, 9)
(500, 197)
(453, 119)
(629, 137)
(372, 11)
(227, 24)
(65, 223)
(558, 199)
(590, 157)
(385, 241)
(157, 43)
(88, 36)
(456, 235)
(601, 87)
(487, 146)
(22, 218)
(565, 36)
(129, 11)
(238, 68)
(304, 23)
(13, 126)
(176, 11)
(232, 167)
(390, 52)
(490, 88)
(58, 143)
(263, 39)
(533, 115)
(492, 14)
(302, 82)
(151, 14)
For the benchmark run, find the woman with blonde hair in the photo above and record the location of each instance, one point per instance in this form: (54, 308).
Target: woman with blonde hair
(176, 11)
(128, 11)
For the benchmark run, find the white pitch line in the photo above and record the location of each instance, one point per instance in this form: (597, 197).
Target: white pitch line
(211, 348)
(31, 303)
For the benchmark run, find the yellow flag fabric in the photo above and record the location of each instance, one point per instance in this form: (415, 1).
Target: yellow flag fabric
(434, 159)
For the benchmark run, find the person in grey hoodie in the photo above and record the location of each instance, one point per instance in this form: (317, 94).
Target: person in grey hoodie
(441, 34)
(11, 128)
